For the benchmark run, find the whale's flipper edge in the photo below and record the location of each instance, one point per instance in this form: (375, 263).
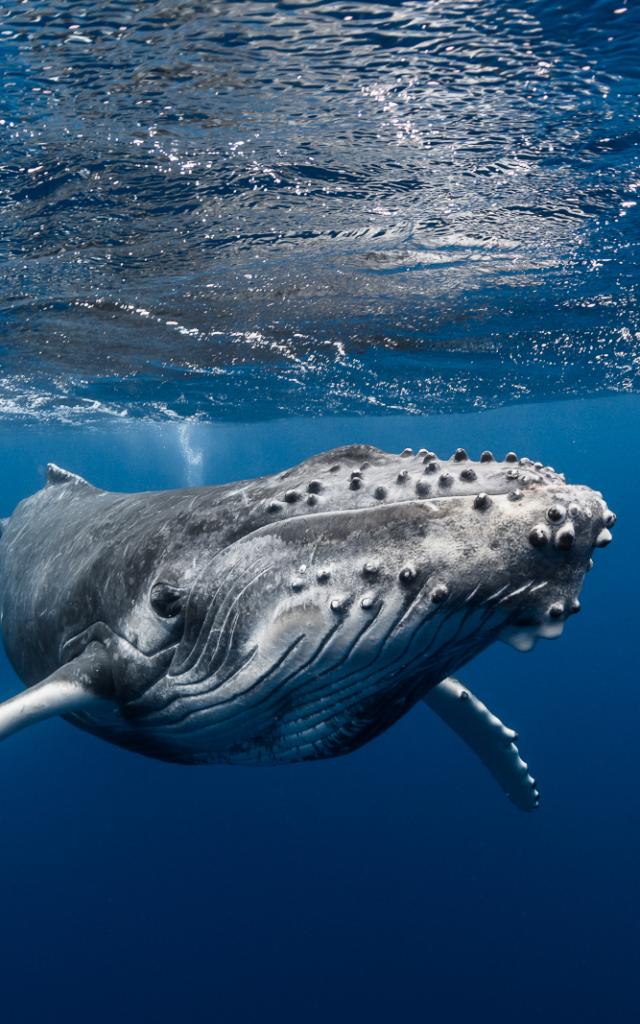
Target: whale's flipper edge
(73, 687)
(490, 740)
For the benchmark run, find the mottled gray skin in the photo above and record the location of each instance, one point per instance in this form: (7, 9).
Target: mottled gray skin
(297, 615)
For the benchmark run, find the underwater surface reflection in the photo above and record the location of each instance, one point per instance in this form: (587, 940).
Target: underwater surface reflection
(385, 206)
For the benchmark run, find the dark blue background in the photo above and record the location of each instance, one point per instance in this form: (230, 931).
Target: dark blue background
(394, 884)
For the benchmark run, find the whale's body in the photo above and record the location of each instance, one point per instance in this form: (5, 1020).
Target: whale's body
(290, 617)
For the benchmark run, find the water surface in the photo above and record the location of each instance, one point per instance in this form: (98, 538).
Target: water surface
(391, 206)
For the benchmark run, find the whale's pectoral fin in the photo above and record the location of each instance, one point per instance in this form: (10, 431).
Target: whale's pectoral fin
(490, 740)
(72, 687)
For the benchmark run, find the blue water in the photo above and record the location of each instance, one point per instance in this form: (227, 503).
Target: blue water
(396, 883)
(238, 233)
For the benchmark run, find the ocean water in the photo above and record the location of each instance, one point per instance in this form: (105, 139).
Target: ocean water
(238, 233)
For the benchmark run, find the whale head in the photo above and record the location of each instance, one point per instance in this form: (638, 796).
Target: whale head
(294, 616)
(358, 581)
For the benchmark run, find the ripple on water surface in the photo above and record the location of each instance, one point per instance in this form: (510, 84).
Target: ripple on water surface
(250, 208)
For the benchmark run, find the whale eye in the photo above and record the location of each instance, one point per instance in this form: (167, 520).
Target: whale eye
(166, 600)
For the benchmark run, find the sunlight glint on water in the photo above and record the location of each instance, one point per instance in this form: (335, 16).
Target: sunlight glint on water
(384, 207)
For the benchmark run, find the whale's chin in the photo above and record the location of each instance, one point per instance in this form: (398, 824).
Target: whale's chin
(524, 638)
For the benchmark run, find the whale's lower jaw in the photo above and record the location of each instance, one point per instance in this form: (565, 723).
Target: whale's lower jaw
(524, 638)
(316, 715)
(289, 739)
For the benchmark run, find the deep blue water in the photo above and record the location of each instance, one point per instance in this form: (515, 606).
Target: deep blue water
(234, 234)
(396, 883)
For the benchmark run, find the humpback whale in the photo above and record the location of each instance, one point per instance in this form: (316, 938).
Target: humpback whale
(294, 616)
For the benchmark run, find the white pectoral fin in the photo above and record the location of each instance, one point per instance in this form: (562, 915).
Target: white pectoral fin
(490, 740)
(70, 688)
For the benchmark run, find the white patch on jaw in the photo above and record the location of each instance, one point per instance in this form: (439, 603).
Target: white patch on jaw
(524, 638)
(550, 630)
(521, 639)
